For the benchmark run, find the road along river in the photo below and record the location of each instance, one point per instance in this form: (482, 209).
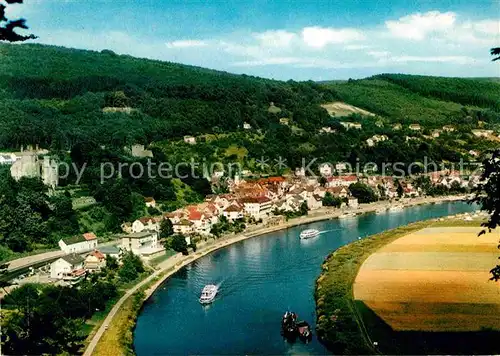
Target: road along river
(259, 279)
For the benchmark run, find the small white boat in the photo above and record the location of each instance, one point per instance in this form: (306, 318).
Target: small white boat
(208, 294)
(308, 234)
(347, 216)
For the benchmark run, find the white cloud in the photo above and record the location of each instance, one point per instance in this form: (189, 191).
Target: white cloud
(277, 38)
(186, 44)
(378, 54)
(356, 47)
(319, 37)
(418, 26)
(439, 59)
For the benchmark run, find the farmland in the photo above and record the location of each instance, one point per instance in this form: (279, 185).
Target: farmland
(435, 279)
(422, 290)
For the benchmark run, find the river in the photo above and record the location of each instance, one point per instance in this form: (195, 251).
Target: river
(259, 279)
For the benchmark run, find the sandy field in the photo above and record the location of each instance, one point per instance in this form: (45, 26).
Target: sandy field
(339, 108)
(435, 279)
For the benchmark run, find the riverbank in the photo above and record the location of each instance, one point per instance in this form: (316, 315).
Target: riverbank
(342, 322)
(111, 342)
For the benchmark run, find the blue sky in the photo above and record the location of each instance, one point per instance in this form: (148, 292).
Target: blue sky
(319, 40)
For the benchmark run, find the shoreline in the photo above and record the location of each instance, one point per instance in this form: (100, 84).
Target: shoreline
(170, 266)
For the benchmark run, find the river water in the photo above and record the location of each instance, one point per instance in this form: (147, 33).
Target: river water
(259, 279)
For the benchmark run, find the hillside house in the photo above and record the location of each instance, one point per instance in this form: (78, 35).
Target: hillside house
(397, 127)
(314, 202)
(140, 151)
(351, 125)
(327, 130)
(8, 158)
(482, 133)
(326, 169)
(190, 140)
(150, 202)
(68, 268)
(247, 126)
(79, 243)
(285, 121)
(436, 133)
(146, 223)
(341, 181)
(95, 261)
(448, 128)
(415, 127)
(143, 243)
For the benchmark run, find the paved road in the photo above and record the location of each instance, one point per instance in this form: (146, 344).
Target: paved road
(170, 262)
(29, 261)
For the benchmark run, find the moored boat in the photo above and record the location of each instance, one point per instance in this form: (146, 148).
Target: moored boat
(304, 331)
(308, 234)
(208, 294)
(347, 216)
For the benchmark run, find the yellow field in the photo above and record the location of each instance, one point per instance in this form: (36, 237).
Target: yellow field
(435, 279)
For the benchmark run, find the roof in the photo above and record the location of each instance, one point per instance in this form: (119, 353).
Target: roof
(73, 239)
(184, 222)
(109, 250)
(256, 200)
(97, 254)
(146, 219)
(233, 208)
(89, 236)
(73, 259)
(138, 235)
(149, 199)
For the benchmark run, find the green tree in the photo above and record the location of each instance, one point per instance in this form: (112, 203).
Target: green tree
(166, 228)
(330, 200)
(178, 243)
(303, 210)
(131, 267)
(363, 192)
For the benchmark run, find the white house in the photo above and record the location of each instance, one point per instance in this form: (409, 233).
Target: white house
(326, 169)
(233, 212)
(95, 261)
(247, 126)
(314, 202)
(150, 202)
(184, 227)
(79, 243)
(482, 133)
(257, 207)
(351, 125)
(415, 127)
(190, 139)
(145, 223)
(112, 251)
(8, 158)
(353, 203)
(142, 243)
(67, 267)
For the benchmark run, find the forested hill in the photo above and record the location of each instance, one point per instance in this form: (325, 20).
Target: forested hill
(54, 96)
(58, 97)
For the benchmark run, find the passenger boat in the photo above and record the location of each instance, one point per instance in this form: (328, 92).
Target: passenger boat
(208, 294)
(308, 234)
